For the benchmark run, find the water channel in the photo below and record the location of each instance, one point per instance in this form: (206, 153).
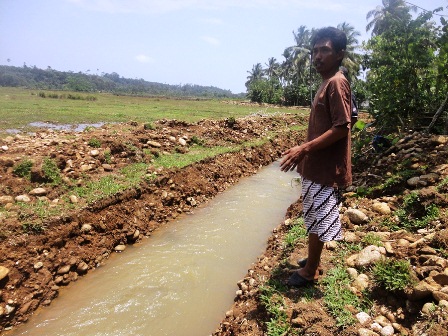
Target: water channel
(182, 279)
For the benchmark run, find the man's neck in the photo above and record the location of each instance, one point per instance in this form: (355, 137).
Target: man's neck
(329, 74)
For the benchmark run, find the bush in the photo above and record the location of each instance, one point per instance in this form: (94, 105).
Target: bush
(51, 171)
(393, 274)
(23, 169)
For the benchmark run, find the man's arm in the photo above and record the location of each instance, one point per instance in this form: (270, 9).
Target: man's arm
(295, 154)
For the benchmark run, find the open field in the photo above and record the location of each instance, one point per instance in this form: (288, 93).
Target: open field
(20, 107)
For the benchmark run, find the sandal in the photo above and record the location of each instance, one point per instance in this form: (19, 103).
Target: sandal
(297, 280)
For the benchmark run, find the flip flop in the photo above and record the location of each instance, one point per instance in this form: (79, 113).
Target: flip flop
(302, 263)
(297, 280)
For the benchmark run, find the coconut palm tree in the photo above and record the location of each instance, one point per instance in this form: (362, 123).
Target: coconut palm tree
(352, 60)
(255, 74)
(382, 16)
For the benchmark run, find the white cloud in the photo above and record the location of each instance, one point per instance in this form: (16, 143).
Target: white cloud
(211, 40)
(144, 59)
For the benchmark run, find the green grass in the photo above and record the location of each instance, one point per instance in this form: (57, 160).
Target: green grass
(19, 107)
(338, 296)
(392, 274)
(295, 233)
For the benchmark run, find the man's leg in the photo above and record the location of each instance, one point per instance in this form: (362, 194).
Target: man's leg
(315, 246)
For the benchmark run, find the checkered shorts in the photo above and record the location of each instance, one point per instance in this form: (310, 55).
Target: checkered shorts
(321, 210)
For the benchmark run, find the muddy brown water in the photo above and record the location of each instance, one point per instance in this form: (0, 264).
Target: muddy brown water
(182, 279)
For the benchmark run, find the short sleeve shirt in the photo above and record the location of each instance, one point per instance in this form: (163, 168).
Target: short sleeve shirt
(331, 107)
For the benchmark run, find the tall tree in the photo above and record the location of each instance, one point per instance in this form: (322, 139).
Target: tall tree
(352, 60)
(383, 16)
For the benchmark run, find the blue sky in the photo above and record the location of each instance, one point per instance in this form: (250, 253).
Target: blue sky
(204, 42)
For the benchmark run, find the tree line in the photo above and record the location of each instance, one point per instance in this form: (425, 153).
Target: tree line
(405, 63)
(50, 79)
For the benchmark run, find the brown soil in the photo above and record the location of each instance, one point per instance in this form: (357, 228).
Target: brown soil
(41, 256)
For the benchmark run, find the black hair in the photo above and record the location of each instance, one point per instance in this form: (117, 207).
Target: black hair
(336, 36)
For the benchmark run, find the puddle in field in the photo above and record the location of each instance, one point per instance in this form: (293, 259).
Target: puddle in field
(66, 127)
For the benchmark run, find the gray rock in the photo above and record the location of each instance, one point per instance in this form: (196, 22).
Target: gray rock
(369, 255)
(413, 181)
(38, 192)
(366, 332)
(381, 208)
(120, 248)
(387, 331)
(363, 317)
(356, 216)
(23, 198)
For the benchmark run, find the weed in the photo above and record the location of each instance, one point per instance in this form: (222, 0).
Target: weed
(231, 121)
(23, 168)
(276, 308)
(197, 141)
(32, 227)
(149, 126)
(295, 233)
(372, 239)
(107, 156)
(51, 171)
(414, 215)
(338, 296)
(95, 143)
(392, 274)
(89, 129)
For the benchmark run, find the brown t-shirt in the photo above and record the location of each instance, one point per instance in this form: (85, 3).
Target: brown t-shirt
(331, 107)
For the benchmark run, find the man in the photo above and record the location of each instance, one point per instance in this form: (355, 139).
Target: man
(323, 160)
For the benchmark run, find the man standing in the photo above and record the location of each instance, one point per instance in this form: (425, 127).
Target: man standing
(324, 160)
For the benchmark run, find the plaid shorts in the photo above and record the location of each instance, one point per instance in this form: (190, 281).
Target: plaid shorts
(321, 210)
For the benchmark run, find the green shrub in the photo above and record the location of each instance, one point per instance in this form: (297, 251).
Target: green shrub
(51, 171)
(23, 169)
(94, 142)
(392, 274)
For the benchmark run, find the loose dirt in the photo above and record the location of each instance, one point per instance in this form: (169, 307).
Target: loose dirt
(43, 252)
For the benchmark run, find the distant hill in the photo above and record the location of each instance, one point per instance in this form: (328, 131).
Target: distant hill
(50, 79)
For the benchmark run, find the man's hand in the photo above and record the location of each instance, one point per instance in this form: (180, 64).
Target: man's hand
(291, 158)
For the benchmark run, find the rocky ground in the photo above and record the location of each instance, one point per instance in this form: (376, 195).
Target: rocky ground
(52, 236)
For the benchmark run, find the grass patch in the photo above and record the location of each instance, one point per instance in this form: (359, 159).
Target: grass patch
(130, 176)
(20, 107)
(338, 296)
(51, 171)
(273, 301)
(392, 274)
(295, 233)
(372, 239)
(23, 168)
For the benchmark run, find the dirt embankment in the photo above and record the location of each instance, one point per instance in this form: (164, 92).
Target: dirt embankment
(51, 235)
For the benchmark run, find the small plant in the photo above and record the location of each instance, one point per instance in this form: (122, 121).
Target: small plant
(197, 141)
(32, 228)
(414, 215)
(275, 306)
(23, 169)
(95, 143)
(231, 121)
(107, 156)
(51, 171)
(149, 126)
(372, 239)
(392, 274)
(338, 296)
(295, 233)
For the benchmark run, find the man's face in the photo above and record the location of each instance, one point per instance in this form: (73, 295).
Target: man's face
(325, 59)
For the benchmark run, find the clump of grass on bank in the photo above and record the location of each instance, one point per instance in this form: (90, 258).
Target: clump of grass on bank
(274, 303)
(392, 274)
(338, 296)
(23, 168)
(296, 233)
